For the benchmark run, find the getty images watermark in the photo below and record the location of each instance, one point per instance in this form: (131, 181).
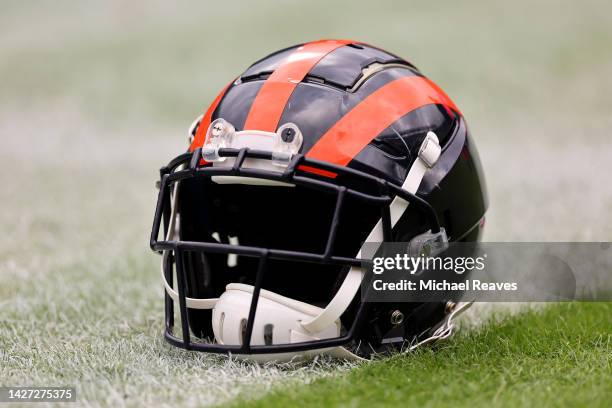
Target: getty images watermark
(502, 271)
(414, 265)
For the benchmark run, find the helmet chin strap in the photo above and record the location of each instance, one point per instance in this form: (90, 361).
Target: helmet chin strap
(282, 320)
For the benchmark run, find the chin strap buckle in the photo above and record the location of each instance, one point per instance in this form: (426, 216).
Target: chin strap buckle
(430, 149)
(428, 244)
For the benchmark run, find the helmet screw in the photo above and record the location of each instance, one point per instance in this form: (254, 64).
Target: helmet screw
(397, 317)
(287, 135)
(217, 129)
(450, 306)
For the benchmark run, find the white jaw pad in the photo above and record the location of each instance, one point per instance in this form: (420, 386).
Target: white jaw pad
(231, 313)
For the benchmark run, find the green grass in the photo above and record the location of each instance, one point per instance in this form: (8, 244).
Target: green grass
(558, 356)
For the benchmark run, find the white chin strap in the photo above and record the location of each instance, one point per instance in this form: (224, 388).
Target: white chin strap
(282, 320)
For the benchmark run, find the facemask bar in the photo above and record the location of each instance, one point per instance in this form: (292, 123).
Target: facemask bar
(176, 171)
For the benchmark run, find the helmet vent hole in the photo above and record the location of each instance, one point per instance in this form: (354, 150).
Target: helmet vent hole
(243, 325)
(268, 329)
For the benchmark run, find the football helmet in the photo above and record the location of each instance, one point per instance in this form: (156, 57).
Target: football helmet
(308, 154)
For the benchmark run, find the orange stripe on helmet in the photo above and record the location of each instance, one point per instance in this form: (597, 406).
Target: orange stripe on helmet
(198, 140)
(316, 170)
(343, 141)
(271, 99)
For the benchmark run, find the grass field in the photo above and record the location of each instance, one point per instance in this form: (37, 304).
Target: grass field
(95, 98)
(561, 355)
